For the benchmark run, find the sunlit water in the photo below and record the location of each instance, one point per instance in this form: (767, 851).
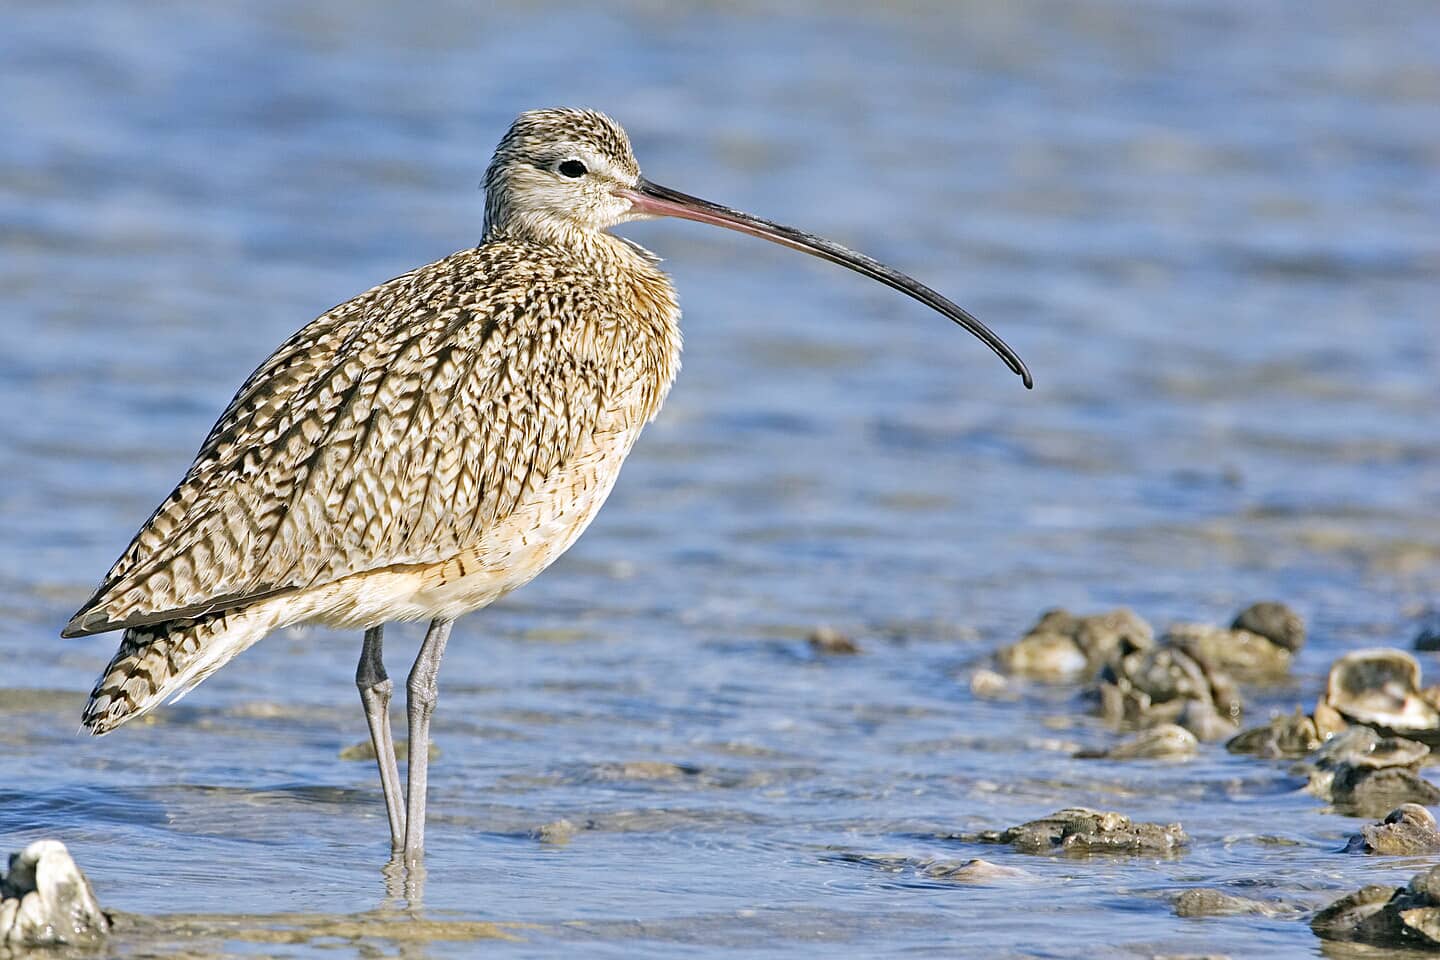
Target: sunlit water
(1210, 229)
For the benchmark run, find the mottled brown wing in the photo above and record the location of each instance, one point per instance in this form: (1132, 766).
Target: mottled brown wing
(392, 430)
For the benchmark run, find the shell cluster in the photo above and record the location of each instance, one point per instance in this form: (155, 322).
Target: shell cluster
(1360, 748)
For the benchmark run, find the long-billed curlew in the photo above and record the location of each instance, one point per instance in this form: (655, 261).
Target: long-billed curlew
(430, 445)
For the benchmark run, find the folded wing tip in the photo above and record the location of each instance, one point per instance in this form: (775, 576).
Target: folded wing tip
(80, 625)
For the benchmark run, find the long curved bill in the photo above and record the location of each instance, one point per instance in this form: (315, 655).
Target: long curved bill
(657, 201)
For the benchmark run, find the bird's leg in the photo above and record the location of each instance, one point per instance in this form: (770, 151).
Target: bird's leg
(375, 689)
(422, 690)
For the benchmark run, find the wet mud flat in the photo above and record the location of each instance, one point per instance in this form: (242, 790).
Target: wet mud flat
(1255, 829)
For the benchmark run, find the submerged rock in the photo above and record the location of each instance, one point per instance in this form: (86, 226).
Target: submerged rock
(1275, 622)
(556, 832)
(1408, 830)
(989, 685)
(831, 642)
(1063, 646)
(1407, 916)
(975, 871)
(1168, 741)
(643, 770)
(1207, 902)
(46, 901)
(1079, 830)
(1381, 688)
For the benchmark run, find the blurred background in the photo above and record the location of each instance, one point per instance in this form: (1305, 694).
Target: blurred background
(1212, 230)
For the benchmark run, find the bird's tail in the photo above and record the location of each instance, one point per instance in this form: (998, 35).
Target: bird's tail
(161, 661)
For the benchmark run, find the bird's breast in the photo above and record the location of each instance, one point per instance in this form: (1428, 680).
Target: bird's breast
(655, 330)
(512, 552)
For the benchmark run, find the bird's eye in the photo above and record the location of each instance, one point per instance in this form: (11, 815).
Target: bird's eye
(572, 168)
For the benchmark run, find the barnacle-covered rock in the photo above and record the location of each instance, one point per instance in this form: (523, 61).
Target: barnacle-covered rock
(1370, 774)
(1157, 685)
(1360, 916)
(1240, 652)
(1168, 741)
(1408, 830)
(1368, 791)
(1407, 916)
(1275, 622)
(1044, 656)
(1293, 735)
(45, 901)
(1104, 636)
(1283, 736)
(1064, 646)
(1078, 830)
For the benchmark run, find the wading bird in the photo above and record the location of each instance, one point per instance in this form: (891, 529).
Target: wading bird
(430, 445)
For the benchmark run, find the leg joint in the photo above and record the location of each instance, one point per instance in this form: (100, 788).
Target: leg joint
(424, 690)
(372, 676)
(378, 691)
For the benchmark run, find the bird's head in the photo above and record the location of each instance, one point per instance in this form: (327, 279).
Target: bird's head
(558, 171)
(562, 175)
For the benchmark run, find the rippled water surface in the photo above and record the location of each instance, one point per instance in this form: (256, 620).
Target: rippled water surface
(1213, 230)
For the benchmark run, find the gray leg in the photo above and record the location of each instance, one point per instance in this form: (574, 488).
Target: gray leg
(375, 689)
(422, 690)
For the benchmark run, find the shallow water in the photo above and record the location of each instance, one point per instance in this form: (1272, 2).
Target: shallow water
(1213, 232)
